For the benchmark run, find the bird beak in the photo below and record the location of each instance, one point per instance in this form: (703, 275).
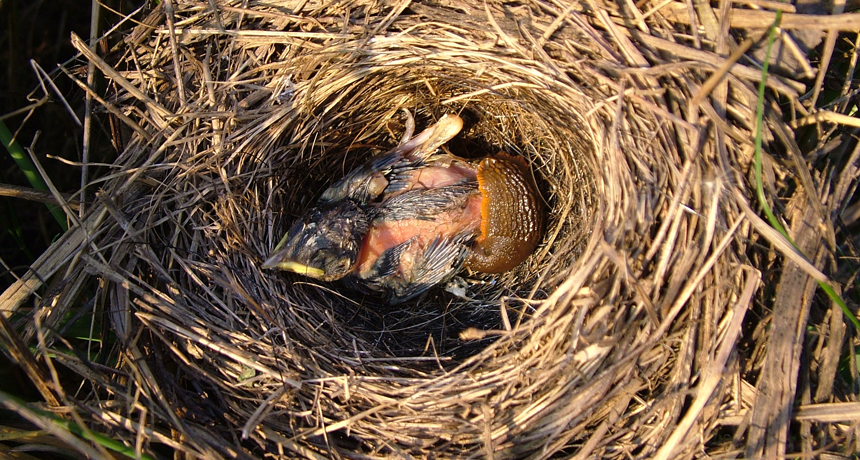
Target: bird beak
(276, 261)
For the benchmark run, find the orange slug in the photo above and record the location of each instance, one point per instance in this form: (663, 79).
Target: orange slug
(512, 215)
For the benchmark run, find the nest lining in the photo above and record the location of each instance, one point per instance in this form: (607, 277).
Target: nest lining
(592, 345)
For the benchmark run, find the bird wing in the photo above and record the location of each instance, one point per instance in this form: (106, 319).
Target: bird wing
(442, 259)
(368, 181)
(425, 204)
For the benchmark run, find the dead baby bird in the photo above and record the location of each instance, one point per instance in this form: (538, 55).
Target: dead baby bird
(412, 218)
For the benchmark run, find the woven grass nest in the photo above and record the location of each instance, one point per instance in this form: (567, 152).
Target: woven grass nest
(661, 317)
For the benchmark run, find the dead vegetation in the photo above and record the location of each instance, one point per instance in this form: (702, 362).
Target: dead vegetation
(661, 318)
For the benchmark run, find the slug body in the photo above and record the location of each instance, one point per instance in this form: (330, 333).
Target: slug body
(511, 215)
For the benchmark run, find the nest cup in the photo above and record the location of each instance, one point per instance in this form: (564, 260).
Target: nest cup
(365, 120)
(613, 339)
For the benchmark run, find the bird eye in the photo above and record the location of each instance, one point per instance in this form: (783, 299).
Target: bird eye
(343, 264)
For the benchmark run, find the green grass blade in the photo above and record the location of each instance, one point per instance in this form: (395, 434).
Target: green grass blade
(760, 187)
(29, 169)
(16, 404)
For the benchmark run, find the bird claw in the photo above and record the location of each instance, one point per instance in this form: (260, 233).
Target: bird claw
(410, 127)
(457, 286)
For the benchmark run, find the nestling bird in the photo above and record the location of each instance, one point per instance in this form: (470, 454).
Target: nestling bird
(412, 218)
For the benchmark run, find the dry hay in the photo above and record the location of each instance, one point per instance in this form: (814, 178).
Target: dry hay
(619, 338)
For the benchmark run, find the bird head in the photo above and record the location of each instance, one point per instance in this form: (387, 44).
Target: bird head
(324, 243)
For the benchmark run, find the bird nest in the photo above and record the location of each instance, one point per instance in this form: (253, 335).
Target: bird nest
(627, 333)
